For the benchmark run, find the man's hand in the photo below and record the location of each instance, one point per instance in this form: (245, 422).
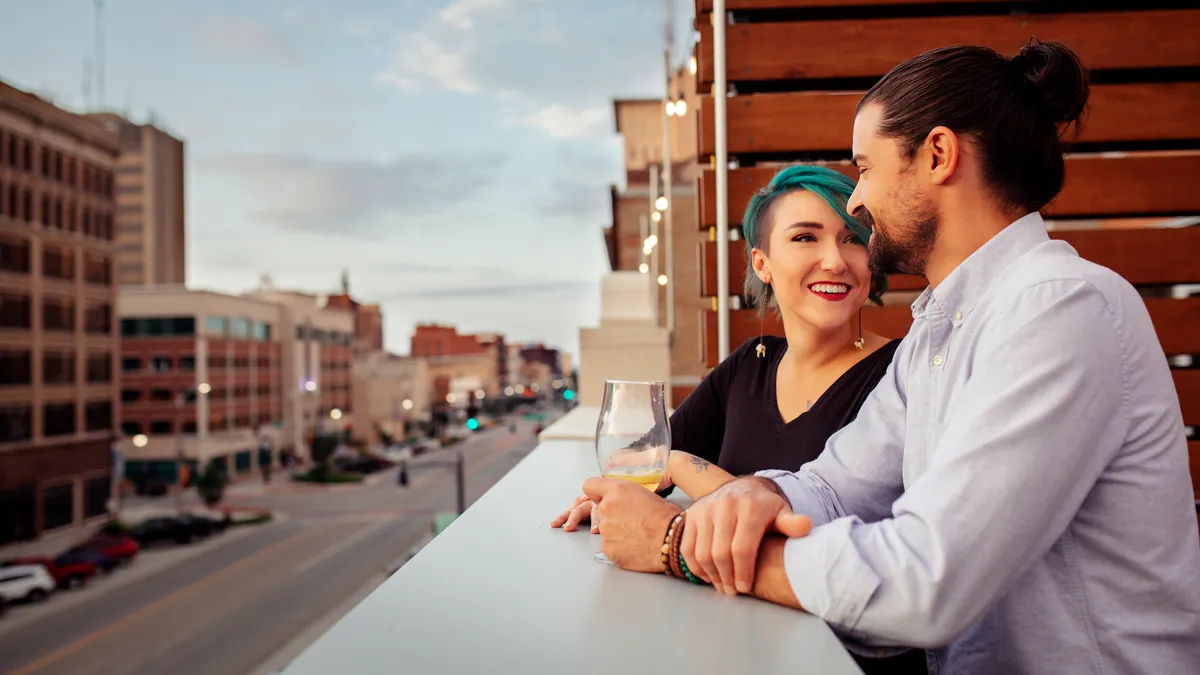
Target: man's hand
(724, 530)
(633, 522)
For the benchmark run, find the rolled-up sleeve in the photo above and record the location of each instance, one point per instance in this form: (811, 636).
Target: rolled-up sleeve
(1025, 439)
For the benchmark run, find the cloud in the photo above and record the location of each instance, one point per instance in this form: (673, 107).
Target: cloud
(242, 37)
(421, 59)
(561, 121)
(461, 13)
(356, 197)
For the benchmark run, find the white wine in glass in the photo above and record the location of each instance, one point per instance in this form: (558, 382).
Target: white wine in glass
(633, 434)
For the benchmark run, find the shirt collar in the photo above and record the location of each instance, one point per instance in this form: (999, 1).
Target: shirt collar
(960, 291)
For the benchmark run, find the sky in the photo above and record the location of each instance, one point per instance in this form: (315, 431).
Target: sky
(453, 155)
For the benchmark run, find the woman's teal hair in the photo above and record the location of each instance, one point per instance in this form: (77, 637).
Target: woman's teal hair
(827, 184)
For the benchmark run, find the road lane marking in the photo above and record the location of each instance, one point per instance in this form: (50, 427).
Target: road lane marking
(156, 606)
(341, 546)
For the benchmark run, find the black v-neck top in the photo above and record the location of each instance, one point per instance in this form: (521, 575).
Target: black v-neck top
(732, 419)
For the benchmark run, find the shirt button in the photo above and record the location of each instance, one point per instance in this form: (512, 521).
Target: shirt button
(938, 360)
(957, 315)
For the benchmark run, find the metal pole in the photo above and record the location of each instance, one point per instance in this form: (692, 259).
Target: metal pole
(460, 479)
(668, 233)
(652, 229)
(720, 92)
(99, 54)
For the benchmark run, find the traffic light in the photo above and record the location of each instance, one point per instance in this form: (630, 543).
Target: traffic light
(472, 424)
(568, 394)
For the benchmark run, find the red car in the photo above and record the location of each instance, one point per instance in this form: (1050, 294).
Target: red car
(66, 572)
(117, 546)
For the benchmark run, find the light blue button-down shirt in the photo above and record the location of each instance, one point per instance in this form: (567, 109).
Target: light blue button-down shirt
(1015, 495)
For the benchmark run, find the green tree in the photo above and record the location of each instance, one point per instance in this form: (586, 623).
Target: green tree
(211, 484)
(323, 448)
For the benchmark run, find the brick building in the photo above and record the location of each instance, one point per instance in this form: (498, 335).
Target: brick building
(58, 340)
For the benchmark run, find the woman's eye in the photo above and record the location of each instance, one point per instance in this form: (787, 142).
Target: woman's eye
(852, 240)
(804, 237)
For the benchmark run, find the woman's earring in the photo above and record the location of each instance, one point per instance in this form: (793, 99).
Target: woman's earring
(761, 349)
(859, 343)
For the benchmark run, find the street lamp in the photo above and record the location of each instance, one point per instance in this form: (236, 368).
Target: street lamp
(692, 66)
(661, 203)
(662, 280)
(479, 394)
(407, 404)
(643, 268)
(335, 414)
(680, 108)
(310, 385)
(203, 388)
(140, 441)
(450, 398)
(509, 391)
(670, 107)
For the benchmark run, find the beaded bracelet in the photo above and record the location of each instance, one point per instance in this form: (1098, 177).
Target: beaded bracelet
(676, 570)
(667, 540)
(688, 573)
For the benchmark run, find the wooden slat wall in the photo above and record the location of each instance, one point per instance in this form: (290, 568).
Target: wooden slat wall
(1154, 257)
(809, 121)
(1138, 184)
(1177, 323)
(739, 5)
(835, 49)
(798, 69)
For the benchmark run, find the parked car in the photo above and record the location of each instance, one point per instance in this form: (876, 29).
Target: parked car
(29, 583)
(201, 526)
(104, 564)
(66, 571)
(121, 547)
(154, 530)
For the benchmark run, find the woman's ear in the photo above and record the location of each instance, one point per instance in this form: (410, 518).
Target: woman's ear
(761, 268)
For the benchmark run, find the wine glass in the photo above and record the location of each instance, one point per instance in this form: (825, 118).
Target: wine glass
(633, 435)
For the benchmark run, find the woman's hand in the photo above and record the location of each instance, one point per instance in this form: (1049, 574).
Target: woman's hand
(580, 511)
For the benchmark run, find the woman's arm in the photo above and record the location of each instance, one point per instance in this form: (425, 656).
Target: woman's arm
(694, 475)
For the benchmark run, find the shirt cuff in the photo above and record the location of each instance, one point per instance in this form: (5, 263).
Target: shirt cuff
(828, 576)
(799, 493)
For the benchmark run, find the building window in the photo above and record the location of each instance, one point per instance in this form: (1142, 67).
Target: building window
(189, 427)
(58, 419)
(14, 311)
(158, 326)
(58, 368)
(14, 255)
(187, 364)
(15, 367)
(58, 315)
(99, 368)
(162, 427)
(45, 162)
(131, 395)
(71, 171)
(96, 493)
(127, 209)
(160, 395)
(46, 212)
(129, 168)
(131, 364)
(58, 213)
(129, 190)
(58, 263)
(97, 270)
(216, 325)
(13, 202)
(97, 319)
(58, 506)
(16, 423)
(262, 331)
(160, 364)
(239, 328)
(131, 428)
(98, 416)
(72, 216)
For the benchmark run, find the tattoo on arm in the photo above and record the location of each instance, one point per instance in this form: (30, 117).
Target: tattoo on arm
(700, 464)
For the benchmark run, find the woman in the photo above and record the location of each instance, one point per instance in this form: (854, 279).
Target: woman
(774, 401)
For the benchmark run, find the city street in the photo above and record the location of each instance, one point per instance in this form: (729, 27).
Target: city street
(245, 601)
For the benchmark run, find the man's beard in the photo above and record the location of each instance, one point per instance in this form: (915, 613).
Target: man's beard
(908, 252)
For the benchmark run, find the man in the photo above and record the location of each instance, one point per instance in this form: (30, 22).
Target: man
(1015, 496)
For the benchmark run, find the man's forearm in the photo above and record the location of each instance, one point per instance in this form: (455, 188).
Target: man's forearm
(770, 576)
